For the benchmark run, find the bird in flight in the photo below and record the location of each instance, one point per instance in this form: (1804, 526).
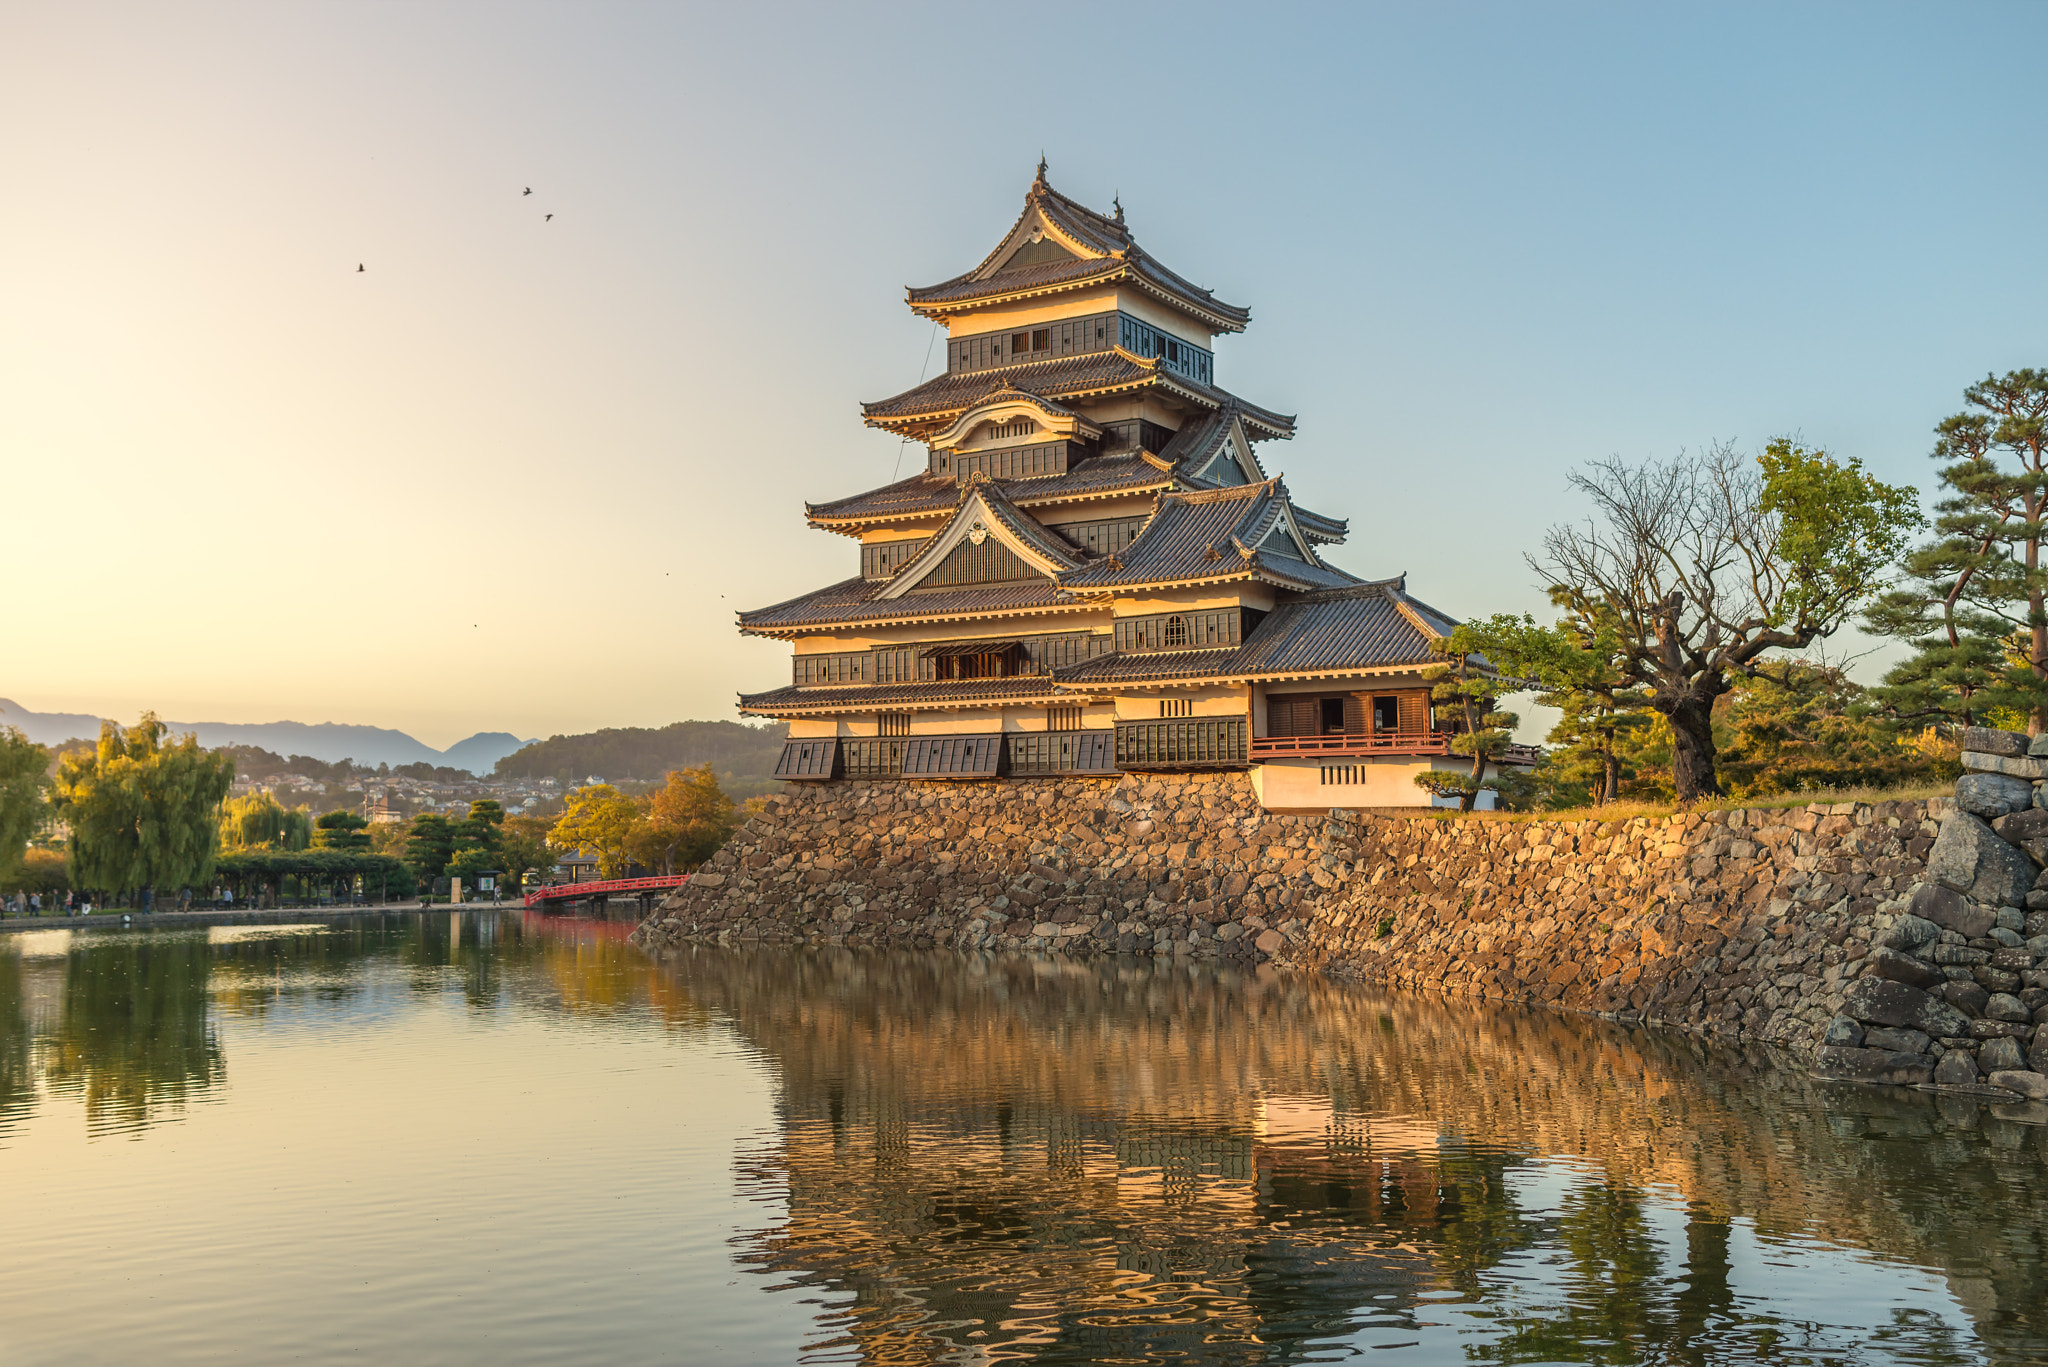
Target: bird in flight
(359, 268)
(529, 189)
(548, 219)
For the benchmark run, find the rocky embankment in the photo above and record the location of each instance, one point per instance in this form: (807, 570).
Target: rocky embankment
(1752, 923)
(1955, 988)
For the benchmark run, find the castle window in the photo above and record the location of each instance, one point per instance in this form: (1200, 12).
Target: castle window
(1062, 718)
(1176, 707)
(1176, 634)
(893, 724)
(1020, 341)
(1041, 340)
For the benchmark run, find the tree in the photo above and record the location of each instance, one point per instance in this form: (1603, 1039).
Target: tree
(429, 845)
(143, 814)
(688, 818)
(1981, 581)
(1579, 667)
(1703, 566)
(24, 801)
(341, 830)
(1472, 687)
(258, 821)
(523, 848)
(601, 821)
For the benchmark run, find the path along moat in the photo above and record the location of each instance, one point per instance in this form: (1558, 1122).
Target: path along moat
(488, 1137)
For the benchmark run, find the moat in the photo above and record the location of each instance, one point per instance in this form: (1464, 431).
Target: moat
(452, 1138)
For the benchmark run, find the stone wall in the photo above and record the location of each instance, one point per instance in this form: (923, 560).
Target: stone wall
(1751, 923)
(1956, 980)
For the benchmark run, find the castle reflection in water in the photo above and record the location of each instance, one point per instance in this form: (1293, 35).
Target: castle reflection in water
(981, 1160)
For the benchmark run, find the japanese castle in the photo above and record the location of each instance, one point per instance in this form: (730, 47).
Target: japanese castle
(1094, 574)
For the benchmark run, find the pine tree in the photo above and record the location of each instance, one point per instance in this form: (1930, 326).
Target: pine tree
(1470, 687)
(1981, 580)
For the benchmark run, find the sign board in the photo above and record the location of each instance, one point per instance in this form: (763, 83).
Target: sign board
(455, 891)
(486, 883)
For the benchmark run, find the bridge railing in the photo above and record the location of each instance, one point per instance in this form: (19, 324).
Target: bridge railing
(560, 892)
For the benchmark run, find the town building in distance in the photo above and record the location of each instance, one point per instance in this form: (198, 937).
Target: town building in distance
(1095, 573)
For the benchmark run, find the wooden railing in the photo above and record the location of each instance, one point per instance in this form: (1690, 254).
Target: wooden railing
(1374, 743)
(556, 892)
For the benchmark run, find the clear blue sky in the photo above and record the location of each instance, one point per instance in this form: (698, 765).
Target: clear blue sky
(1482, 244)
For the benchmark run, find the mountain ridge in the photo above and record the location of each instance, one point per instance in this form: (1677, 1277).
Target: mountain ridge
(328, 742)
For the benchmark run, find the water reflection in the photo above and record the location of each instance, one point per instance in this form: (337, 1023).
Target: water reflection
(128, 1023)
(1000, 1160)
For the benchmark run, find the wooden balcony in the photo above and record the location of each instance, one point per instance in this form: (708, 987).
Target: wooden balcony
(1358, 744)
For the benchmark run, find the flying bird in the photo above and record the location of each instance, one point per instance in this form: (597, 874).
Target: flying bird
(549, 218)
(529, 189)
(359, 268)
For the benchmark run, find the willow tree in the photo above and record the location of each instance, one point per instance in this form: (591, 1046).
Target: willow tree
(258, 821)
(143, 813)
(1705, 565)
(24, 779)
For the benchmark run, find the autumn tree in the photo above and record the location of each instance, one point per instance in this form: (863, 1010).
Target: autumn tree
(688, 818)
(1704, 565)
(1470, 687)
(143, 814)
(602, 822)
(24, 798)
(1974, 604)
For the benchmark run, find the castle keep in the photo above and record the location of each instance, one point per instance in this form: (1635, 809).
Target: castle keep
(1095, 574)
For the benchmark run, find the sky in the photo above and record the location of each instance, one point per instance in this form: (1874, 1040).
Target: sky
(517, 473)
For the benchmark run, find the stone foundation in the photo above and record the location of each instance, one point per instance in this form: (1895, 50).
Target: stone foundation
(1750, 923)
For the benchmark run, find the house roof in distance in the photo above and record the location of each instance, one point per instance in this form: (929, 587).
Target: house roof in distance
(1057, 245)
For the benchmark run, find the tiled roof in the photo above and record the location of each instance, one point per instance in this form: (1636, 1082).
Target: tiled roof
(1317, 527)
(890, 697)
(1206, 534)
(1021, 525)
(1363, 626)
(853, 601)
(1090, 374)
(1114, 253)
(922, 495)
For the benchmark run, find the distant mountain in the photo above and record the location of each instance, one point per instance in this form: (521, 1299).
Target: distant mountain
(326, 741)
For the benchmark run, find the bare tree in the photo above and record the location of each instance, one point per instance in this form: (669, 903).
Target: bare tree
(1706, 563)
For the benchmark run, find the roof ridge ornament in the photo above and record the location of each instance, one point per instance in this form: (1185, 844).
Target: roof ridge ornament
(1040, 182)
(1117, 200)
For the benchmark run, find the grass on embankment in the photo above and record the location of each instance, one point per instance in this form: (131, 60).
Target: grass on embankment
(1630, 811)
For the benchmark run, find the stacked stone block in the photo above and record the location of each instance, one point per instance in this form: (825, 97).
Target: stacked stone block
(1750, 923)
(1955, 988)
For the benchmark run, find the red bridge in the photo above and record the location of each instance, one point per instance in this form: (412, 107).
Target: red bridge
(566, 892)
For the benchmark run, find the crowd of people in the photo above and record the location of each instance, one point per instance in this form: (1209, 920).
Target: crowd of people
(32, 904)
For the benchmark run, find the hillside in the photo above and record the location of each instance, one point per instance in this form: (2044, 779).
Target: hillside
(743, 756)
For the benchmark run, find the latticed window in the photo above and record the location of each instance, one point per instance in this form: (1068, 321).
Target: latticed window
(893, 724)
(1062, 718)
(1176, 707)
(1176, 633)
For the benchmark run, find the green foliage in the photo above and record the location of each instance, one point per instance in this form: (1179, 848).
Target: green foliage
(1838, 530)
(143, 814)
(1799, 728)
(258, 821)
(269, 868)
(1981, 582)
(24, 800)
(429, 845)
(523, 848)
(1703, 566)
(341, 830)
(602, 822)
(1473, 688)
